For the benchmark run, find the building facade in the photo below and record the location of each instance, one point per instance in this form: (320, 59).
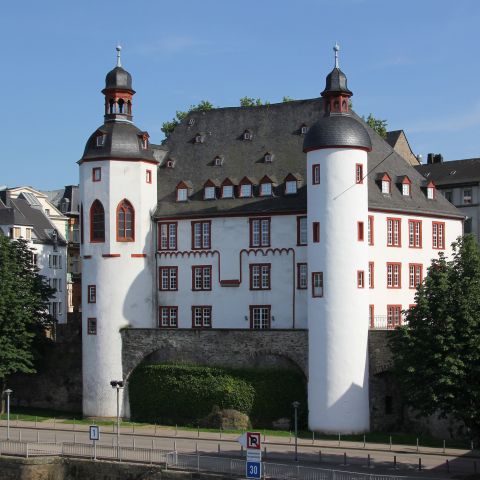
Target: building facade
(284, 216)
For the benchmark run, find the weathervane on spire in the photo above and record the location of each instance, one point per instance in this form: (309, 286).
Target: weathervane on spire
(336, 49)
(119, 61)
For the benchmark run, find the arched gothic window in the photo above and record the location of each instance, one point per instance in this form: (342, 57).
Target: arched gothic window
(125, 222)
(97, 222)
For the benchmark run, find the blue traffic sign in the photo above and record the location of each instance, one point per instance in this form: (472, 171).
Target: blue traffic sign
(254, 470)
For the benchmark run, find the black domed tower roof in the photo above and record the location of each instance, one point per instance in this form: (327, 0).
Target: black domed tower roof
(337, 128)
(118, 78)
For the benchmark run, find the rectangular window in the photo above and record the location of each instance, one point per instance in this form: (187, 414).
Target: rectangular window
(209, 193)
(182, 194)
(302, 276)
(317, 284)
(201, 277)
(438, 235)
(91, 326)
(415, 233)
(245, 190)
(394, 316)
(29, 233)
(316, 174)
(259, 232)
(15, 232)
(360, 279)
(260, 276)
(430, 193)
(394, 232)
(168, 317)
(227, 191)
(201, 235)
(260, 317)
(168, 278)
(201, 317)
(96, 174)
(55, 261)
(394, 275)
(360, 234)
(371, 315)
(266, 189)
(371, 275)
(414, 274)
(448, 195)
(167, 236)
(358, 173)
(316, 232)
(406, 189)
(385, 186)
(467, 196)
(148, 176)
(370, 231)
(290, 187)
(302, 231)
(92, 294)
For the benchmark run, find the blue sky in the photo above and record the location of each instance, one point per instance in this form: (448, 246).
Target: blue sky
(414, 63)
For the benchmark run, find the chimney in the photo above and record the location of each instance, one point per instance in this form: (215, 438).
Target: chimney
(430, 158)
(434, 158)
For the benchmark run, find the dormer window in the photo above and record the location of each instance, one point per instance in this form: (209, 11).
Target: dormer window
(406, 189)
(385, 183)
(268, 157)
(247, 135)
(227, 188)
(199, 138)
(431, 191)
(245, 188)
(143, 140)
(182, 192)
(218, 161)
(290, 187)
(303, 129)
(101, 140)
(266, 189)
(385, 186)
(169, 164)
(209, 191)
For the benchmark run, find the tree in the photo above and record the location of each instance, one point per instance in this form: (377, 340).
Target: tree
(437, 354)
(380, 126)
(169, 127)
(24, 317)
(252, 102)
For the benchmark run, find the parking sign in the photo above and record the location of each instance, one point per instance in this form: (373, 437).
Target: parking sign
(253, 441)
(254, 470)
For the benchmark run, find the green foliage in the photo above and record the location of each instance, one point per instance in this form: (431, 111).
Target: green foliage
(437, 354)
(184, 394)
(24, 296)
(380, 126)
(286, 99)
(252, 102)
(169, 127)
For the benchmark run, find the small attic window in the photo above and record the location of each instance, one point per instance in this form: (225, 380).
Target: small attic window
(266, 189)
(246, 188)
(209, 193)
(191, 121)
(386, 183)
(431, 191)
(182, 194)
(101, 140)
(268, 157)
(144, 140)
(199, 138)
(169, 164)
(290, 187)
(303, 129)
(247, 135)
(406, 189)
(218, 161)
(227, 191)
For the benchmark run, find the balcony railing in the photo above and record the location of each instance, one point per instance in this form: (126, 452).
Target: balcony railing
(383, 322)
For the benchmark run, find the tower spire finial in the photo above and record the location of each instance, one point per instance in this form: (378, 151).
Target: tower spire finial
(119, 61)
(336, 49)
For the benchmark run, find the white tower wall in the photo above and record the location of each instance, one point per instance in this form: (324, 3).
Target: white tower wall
(122, 273)
(338, 321)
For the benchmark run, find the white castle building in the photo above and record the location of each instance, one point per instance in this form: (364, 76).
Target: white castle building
(284, 216)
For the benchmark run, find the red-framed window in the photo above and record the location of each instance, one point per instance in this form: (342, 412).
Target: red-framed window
(148, 176)
(386, 184)
(438, 235)
(125, 222)
(168, 278)
(92, 294)
(316, 174)
(201, 277)
(358, 173)
(302, 231)
(415, 275)
(317, 284)
(360, 279)
(201, 316)
(370, 230)
(260, 317)
(316, 232)
(360, 231)
(97, 222)
(91, 326)
(167, 236)
(371, 275)
(371, 315)
(259, 232)
(96, 174)
(302, 276)
(260, 276)
(201, 235)
(415, 233)
(394, 275)
(167, 317)
(394, 232)
(394, 316)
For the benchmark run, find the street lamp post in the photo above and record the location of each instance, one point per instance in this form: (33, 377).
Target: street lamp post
(295, 405)
(117, 385)
(8, 393)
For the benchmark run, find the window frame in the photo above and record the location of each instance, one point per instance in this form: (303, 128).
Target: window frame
(232, 187)
(360, 231)
(172, 273)
(417, 272)
(360, 278)
(467, 199)
(412, 234)
(184, 191)
(270, 186)
(359, 173)
(97, 239)
(302, 232)
(168, 236)
(316, 232)
(148, 176)
(316, 174)
(291, 182)
(92, 294)
(96, 174)
(371, 275)
(202, 235)
(169, 310)
(202, 269)
(92, 326)
(371, 230)
(436, 244)
(261, 267)
(392, 310)
(203, 325)
(268, 309)
(320, 277)
(394, 221)
(393, 285)
(260, 220)
(300, 285)
(125, 205)
(211, 189)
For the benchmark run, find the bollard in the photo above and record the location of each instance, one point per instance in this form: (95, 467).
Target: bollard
(218, 449)
(444, 447)
(448, 466)
(320, 456)
(419, 463)
(390, 442)
(364, 441)
(395, 462)
(417, 444)
(344, 459)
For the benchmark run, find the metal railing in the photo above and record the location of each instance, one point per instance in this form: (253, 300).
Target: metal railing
(382, 322)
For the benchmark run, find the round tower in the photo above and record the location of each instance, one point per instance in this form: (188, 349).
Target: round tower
(118, 179)
(337, 211)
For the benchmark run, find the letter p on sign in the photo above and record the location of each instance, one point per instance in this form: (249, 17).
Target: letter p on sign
(253, 440)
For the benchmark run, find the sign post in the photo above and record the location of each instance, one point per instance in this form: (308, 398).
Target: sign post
(252, 442)
(94, 436)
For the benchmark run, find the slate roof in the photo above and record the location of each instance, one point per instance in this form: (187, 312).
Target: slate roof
(276, 128)
(452, 173)
(118, 78)
(70, 195)
(393, 136)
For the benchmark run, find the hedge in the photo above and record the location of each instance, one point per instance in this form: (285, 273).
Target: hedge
(184, 394)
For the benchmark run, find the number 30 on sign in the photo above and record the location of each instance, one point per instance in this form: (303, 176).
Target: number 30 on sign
(254, 469)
